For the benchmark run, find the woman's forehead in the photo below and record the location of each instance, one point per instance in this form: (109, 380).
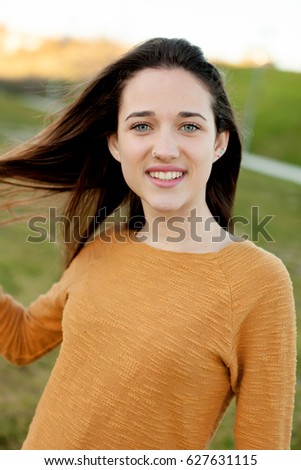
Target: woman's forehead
(164, 86)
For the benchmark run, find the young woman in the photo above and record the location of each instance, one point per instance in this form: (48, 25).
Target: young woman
(164, 320)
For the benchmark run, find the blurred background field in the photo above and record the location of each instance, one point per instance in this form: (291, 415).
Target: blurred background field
(267, 102)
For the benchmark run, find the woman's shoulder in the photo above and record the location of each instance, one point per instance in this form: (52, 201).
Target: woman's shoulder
(254, 263)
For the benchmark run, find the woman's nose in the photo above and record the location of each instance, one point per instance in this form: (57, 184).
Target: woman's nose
(165, 148)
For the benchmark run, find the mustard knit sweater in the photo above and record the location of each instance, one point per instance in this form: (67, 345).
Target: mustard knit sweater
(155, 344)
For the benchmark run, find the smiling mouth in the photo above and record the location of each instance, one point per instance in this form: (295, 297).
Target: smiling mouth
(166, 175)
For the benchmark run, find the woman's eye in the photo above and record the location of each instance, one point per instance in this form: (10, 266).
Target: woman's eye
(190, 127)
(141, 127)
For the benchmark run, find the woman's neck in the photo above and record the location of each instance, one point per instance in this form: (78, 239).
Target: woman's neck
(195, 232)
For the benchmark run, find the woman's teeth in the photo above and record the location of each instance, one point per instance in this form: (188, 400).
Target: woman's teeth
(166, 175)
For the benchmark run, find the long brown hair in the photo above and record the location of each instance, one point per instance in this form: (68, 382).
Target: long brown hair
(71, 155)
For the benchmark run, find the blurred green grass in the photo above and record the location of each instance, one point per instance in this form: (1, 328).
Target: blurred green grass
(18, 121)
(268, 103)
(27, 269)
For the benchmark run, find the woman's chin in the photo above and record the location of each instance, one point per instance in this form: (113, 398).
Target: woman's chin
(166, 210)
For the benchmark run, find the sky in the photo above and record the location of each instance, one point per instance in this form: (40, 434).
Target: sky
(227, 30)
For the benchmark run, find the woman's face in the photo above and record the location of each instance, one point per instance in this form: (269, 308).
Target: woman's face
(166, 140)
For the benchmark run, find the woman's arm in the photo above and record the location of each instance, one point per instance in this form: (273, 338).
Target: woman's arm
(264, 366)
(28, 333)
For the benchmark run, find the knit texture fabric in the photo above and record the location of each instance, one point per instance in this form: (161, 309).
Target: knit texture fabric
(155, 344)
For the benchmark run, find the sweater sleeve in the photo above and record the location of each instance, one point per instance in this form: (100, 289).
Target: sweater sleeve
(263, 368)
(28, 333)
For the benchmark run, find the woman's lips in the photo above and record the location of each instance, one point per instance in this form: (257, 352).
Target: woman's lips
(165, 179)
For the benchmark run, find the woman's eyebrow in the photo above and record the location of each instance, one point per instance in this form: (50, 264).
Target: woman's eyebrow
(140, 114)
(188, 114)
(185, 114)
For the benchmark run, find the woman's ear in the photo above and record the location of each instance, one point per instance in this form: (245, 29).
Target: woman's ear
(221, 144)
(113, 146)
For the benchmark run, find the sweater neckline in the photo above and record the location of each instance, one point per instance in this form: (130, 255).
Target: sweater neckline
(156, 251)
